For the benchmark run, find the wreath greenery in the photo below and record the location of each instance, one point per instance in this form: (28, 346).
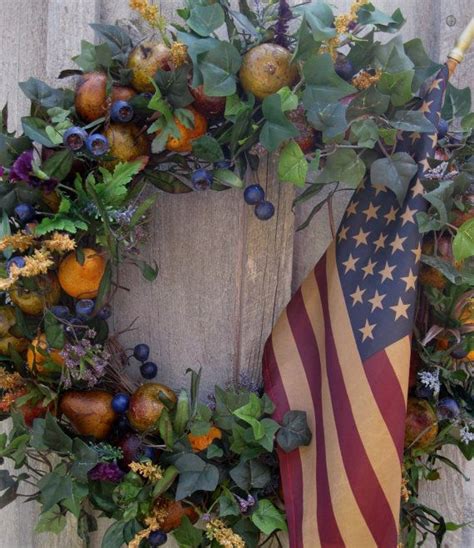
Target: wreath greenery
(192, 106)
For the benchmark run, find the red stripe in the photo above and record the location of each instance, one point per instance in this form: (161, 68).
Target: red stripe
(309, 353)
(388, 395)
(364, 483)
(290, 463)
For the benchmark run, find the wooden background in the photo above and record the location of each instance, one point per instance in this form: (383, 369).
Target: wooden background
(224, 276)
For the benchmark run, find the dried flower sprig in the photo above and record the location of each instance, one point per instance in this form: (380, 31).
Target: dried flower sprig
(147, 470)
(218, 531)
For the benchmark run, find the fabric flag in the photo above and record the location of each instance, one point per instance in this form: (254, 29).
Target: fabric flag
(341, 352)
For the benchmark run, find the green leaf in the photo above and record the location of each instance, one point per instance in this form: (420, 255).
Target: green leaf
(457, 102)
(250, 413)
(186, 535)
(85, 458)
(365, 133)
(174, 85)
(114, 536)
(292, 164)
(391, 56)
(54, 331)
(397, 85)
(114, 189)
(270, 427)
(52, 521)
(54, 488)
(53, 436)
(320, 18)
(148, 271)
(195, 475)
(58, 165)
(395, 172)
(197, 47)
(424, 66)
(368, 102)
(331, 119)
(289, 100)
(446, 268)
(39, 92)
(463, 243)
(268, 518)
(294, 431)
(306, 45)
(204, 20)
(35, 129)
(208, 149)
(368, 14)
(323, 84)
(412, 120)
(228, 505)
(250, 474)
(214, 451)
(167, 480)
(441, 199)
(277, 128)
(343, 166)
(116, 38)
(74, 502)
(93, 57)
(219, 67)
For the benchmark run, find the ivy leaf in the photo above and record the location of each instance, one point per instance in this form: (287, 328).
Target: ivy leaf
(208, 149)
(277, 128)
(306, 45)
(204, 20)
(424, 66)
(323, 84)
(292, 164)
(35, 129)
(195, 475)
(116, 38)
(228, 506)
(294, 431)
(270, 427)
(250, 413)
(368, 14)
(93, 57)
(58, 165)
(268, 518)
(197, 47)
(446, 268)
(54, 488)
(114, 536)
(365, 133)
(441, 199)
(395, 172)
(331, 119)
(219, 67)
(174, 86)
(343, 166)
(250, 474)
(463, 243)
(320, 18)
(370, 101)
(53, 436)
(391, 56)
(186, 535)
(52, 521)
(457, 102)
(397, 85)
(412, 120)
(41, 93)
(54, 331)
(289, 100)
(85, 458)
(74, 502)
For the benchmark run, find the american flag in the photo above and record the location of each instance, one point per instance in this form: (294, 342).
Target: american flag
(341, 352)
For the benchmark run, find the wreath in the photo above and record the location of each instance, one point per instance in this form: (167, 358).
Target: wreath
(192, 106)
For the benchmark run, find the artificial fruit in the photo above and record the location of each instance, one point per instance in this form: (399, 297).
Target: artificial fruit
(146, 406)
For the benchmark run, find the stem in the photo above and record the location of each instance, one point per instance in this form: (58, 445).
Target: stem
(332, 224)
(383, 149)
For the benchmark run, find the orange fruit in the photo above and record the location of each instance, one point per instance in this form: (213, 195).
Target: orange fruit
(173, 512)
(186, 135)
(82, 281)
(421, 424)
(199, 443)
(36, 359)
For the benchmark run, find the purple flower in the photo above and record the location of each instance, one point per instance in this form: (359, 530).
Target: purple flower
(22, 166)
(106, 471)
(245, 504)
(281, 27)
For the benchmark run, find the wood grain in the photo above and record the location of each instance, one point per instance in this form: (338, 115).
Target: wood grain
(224, 276)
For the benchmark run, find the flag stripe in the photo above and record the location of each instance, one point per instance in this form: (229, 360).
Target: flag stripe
(299, 397)
(388, 395)
(376, 438)
(353, 421)
(308, 350)
(290, 463)
(399, 356)
(351, 522)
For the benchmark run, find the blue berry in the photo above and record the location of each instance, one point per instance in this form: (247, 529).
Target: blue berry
(460, 351)
(25, 212)
(97, 144)
(344, 68)
(75, 138)
(150, 453)
(84, 308)
(61, 312)
(264, 210)
(120, 402)
(148, 370)
(141, 352)
(254, 194)
(17, 261)
(443, 127)
(447, 409)
(105, 312)
(157, 538)
(201, 179)
(121, 111)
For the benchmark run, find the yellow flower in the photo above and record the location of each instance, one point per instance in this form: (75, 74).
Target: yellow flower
(364, 79)
(217, 530)
(179, 54)
(60, 243)
(9, 381)
(19, 241)
(341, 22)
(38, 263)
(147, 11)
(147, 470)
(152, 522)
